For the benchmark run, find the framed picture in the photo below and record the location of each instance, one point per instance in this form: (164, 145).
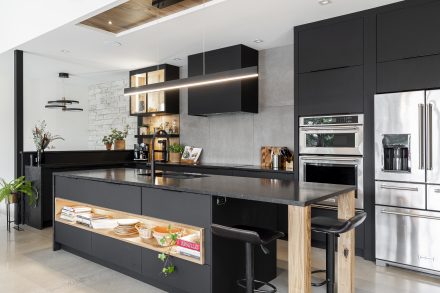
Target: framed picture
(191, 154)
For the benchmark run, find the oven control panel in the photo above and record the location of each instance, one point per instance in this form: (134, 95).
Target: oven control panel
(331, 120)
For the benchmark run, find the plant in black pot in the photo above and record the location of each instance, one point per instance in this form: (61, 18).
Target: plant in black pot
(42, 139)
(9, 190)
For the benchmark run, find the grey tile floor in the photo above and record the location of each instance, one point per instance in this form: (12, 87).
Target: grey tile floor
(28, 264)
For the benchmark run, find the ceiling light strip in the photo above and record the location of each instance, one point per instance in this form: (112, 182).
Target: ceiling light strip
(199, 80)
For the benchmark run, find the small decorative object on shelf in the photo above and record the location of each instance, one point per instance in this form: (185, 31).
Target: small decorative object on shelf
(118, 137)
(108, 142)
(176, 151)
(9, 192)
(42, 139)
(191, 155)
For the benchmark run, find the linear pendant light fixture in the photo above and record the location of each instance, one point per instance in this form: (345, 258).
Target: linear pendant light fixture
(199, 80)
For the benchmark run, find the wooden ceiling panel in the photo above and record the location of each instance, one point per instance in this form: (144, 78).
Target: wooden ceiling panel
(134, 13)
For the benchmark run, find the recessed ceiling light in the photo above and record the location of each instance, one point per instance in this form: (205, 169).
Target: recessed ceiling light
(113, 44)
(110, 22)
(177, 59)
(324, 2)
(258, 41)
(65, 51)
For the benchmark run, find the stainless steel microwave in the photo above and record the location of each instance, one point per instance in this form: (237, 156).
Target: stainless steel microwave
(332, 135)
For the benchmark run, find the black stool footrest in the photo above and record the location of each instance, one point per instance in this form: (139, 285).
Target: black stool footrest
(319, 284)
(242, 284)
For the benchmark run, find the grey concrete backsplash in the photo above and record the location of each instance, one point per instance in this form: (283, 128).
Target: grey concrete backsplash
(237, 138)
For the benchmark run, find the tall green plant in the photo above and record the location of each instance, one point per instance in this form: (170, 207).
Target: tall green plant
(19, 185)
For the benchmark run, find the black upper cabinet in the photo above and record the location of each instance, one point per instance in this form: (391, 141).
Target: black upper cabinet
(409, 74)
(335, 91)
(234, 96)
(409, 32)
(331, 46)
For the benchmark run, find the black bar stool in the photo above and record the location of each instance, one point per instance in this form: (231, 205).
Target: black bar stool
(252, 236)
(332, 228)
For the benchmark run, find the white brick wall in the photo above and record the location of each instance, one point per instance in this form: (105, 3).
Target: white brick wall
(109, 108)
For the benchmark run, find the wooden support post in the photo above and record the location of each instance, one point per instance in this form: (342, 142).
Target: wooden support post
(300, 249)
(346, 248)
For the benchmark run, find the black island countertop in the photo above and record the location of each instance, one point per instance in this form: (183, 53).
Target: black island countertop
(257, 189)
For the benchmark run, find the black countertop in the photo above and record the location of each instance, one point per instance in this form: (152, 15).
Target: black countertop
(265, 190)
(253, 168)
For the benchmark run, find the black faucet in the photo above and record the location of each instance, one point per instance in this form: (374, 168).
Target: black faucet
(153, 161)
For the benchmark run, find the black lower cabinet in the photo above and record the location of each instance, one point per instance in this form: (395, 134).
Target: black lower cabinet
(78, 239)
(188, 277)
(117, 252)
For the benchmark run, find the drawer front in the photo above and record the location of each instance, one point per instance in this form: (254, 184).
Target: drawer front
(433, 197)
(117, 252)
(406, 195)
(408, 237)
(108, 195)
(73, 237)
(188, 277)
(182, 207)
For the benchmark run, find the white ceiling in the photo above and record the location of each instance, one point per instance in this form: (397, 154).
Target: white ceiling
(227, 23)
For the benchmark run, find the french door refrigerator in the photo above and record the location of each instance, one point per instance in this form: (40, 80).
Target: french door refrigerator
(407, 173)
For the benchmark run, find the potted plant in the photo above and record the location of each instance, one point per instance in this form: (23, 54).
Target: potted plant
(10, 190)
(176, 151)
(42, 139)
(108, 142)
(118, 137)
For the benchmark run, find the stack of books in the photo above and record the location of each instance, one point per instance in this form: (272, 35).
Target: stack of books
(189, 246)
(70, 213)
(88, 218)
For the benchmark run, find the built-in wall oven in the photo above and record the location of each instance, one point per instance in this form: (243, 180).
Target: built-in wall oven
(331, 151)
(334, 170)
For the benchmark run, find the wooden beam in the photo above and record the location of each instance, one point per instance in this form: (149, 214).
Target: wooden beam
(346, 248)
(299, 250)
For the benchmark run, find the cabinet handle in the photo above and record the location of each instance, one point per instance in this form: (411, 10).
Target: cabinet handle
(426, 258)
(308, 129)
(410, 215)
(429, 137)
(399, 188)
(421, 137)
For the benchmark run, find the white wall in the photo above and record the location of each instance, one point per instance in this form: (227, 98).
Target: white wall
(24, 20)
(7, 117)
(41, 83)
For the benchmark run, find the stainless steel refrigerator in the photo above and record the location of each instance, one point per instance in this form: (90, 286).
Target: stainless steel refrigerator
(407, 173)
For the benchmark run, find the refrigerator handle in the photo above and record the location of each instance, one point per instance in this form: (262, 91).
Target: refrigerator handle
(421, 136)
(429, 137)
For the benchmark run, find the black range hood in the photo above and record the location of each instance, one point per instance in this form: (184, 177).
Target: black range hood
(228, 97)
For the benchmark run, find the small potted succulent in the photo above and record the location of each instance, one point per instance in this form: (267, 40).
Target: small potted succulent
(176, 151)
(108, 142)
(42, 139)
(118, 137)
(9, 190)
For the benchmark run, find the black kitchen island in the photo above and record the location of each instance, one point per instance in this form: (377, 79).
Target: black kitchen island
(195, 201)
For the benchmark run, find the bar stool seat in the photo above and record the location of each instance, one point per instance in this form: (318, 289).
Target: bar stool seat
(333, 227)
(252, 236)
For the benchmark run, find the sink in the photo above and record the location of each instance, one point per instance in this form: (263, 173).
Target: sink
(184, 176)
(173, 175)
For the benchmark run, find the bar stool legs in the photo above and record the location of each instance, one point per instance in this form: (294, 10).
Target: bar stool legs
(330, 251)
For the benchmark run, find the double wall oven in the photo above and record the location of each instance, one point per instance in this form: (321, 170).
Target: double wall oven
(331, 151)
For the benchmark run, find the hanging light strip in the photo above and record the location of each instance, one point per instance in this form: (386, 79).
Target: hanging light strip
(199, 80)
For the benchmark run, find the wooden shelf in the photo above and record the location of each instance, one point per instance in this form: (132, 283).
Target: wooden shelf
(158, 136)
(149, 244)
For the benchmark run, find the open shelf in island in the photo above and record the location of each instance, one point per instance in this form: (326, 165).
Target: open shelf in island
(151, 244)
